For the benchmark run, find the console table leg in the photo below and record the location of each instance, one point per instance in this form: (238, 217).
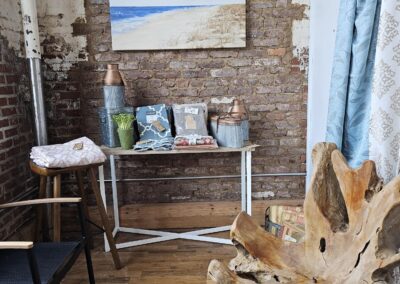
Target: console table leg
(103, 197)
(114, 191)
(243, 179)
(248, 181)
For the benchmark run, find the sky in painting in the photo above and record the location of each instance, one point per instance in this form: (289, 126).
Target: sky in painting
(148, 3)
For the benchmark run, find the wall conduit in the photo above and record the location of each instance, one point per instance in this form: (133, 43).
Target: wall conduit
(33, 54)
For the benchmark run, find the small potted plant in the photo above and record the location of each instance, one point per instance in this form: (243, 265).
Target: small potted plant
(125, 129)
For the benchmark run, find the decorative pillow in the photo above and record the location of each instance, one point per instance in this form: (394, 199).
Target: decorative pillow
(153, 123)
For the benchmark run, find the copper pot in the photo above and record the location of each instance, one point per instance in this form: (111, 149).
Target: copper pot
(238, 110)
(113, 76)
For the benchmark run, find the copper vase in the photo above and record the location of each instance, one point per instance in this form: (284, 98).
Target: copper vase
(113, 76)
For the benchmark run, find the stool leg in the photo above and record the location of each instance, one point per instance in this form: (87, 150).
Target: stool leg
(79, 179)
(39, 209)
(56, 209)
(104, 218)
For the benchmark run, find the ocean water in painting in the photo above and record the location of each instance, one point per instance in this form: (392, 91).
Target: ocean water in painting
(124, 19)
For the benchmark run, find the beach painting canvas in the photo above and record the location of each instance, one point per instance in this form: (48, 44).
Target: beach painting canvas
(177, 24)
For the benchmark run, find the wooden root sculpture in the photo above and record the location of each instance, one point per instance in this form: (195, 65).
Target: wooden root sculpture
(352, 225)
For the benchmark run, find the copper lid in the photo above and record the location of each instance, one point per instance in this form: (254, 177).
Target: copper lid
(113, 77)
(238, 109)
(214, 117)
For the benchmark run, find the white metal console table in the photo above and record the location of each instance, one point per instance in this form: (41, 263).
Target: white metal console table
(161, 236)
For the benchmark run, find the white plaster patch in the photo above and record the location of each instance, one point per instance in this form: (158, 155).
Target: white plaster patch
(301, 35)
(301, 2)
(223, 100)
(56, 18)
(264, 194)
(11, 24)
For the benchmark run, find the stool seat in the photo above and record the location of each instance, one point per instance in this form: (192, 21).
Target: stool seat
(56, 173)
(50, 172)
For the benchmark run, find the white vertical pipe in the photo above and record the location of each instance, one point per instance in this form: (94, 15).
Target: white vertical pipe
(31, 29)
(243, 179)
(33, 54)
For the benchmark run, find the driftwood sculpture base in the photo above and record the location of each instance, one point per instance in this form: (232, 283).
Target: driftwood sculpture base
(352, 228)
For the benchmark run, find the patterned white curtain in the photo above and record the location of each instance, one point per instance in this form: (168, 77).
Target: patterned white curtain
(384, 130)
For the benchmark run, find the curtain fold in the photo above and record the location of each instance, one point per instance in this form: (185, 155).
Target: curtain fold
(351, 83)
(384, 130)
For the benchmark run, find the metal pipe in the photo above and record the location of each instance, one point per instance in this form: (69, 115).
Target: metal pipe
(39, 111)
(206, 177)
(33, 54)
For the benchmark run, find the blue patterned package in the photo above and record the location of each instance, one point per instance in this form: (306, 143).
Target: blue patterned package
(153, 123)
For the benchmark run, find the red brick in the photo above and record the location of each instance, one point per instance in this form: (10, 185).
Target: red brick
(6, 90)
(10, 132)
(5, 144)
(4, 68)
(11, 79)
(9, 111)
(4, 122)
(12, 101)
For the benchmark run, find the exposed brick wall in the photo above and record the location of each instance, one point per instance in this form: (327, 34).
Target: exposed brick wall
(266, 74)
(16, 138)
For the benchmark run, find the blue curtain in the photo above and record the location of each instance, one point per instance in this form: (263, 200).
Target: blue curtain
(351, 81)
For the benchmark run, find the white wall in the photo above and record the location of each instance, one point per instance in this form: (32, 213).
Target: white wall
(11, 24)
(323, 21)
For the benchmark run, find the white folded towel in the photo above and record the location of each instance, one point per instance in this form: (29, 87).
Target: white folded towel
(78, 152)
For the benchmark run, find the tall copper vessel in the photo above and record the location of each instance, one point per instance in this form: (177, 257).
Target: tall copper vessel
(113, 77)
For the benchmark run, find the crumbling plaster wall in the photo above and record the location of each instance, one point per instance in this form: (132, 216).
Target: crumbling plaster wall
(11, 25)
(63, 49)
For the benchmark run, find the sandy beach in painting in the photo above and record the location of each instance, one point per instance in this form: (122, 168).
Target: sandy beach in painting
(197, 27)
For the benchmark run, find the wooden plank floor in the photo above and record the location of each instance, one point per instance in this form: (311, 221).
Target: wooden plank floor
(172, 262)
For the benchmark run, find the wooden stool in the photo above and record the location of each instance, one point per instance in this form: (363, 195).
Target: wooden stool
(56, 173)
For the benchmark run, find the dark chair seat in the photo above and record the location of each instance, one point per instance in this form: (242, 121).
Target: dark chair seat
(14, 268)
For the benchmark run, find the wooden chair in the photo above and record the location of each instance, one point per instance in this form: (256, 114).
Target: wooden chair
(56, 173)
(26, 262)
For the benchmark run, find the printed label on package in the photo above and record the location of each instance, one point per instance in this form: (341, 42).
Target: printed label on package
(151, 118)
(191, 110)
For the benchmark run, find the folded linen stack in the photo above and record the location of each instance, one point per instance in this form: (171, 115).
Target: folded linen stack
(195, 141)
(164, 144)
(78, 152)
